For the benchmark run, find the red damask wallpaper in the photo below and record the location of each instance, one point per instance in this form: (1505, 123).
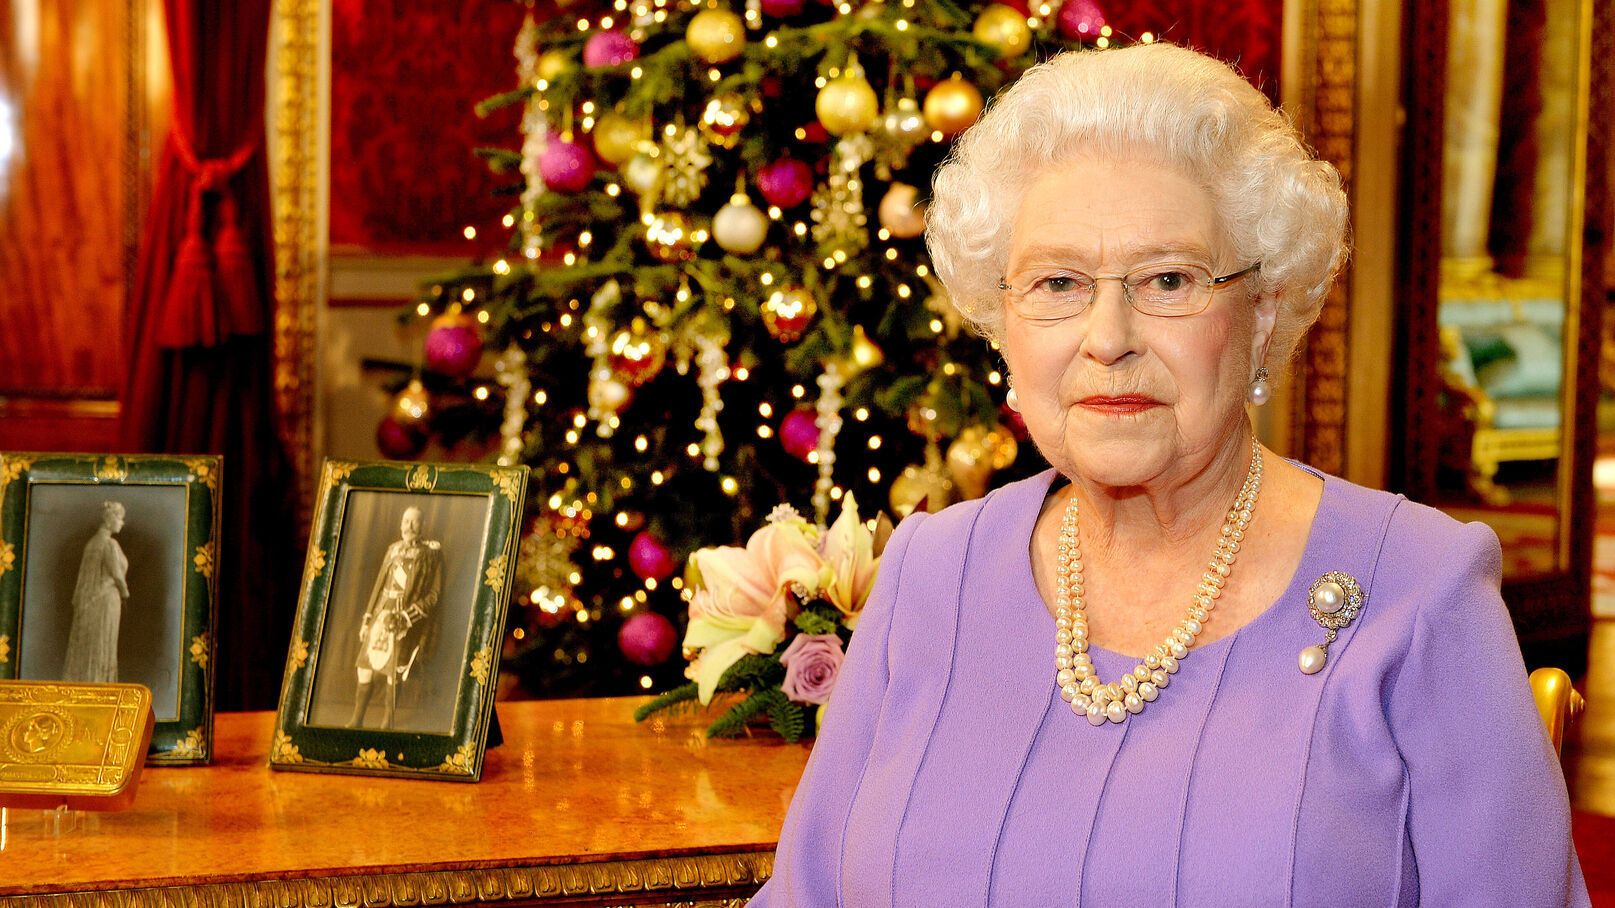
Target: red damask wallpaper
(405, 77)
(407, 73)
(1246, 33)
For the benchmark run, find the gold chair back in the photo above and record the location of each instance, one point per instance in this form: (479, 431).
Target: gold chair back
(1557, 700)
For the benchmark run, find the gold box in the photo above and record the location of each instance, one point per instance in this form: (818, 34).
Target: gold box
(74, 745)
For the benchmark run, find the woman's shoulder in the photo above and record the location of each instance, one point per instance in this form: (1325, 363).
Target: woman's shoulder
(952, 527)
(1427, 559)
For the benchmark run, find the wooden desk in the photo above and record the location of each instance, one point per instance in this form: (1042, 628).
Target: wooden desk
(581, 806)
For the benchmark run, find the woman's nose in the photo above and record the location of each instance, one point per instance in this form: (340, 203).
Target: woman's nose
(1111, 330)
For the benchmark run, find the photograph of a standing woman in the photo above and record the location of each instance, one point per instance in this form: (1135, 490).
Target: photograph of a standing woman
(98, 600)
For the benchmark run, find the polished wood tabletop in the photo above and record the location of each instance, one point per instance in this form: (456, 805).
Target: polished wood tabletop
(576, 783)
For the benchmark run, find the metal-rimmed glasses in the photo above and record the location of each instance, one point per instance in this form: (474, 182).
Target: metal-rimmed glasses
(1161, 289)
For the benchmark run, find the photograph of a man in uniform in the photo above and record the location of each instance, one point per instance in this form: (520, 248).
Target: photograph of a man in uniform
(399, 624)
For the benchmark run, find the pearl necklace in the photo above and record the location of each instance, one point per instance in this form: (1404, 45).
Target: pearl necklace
(1079, 684)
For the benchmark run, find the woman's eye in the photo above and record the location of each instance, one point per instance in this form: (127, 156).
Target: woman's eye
(1062, 285)
(1170, 281)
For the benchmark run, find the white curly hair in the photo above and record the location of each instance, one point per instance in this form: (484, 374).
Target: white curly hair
(1278, 204)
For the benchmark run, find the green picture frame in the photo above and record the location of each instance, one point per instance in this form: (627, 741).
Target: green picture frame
(394, 658)
(61, 590)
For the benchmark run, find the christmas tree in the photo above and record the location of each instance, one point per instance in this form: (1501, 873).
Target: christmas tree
(718, 300)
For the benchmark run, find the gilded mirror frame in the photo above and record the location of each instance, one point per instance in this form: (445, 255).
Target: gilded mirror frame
(1551, 611)
(1338, 84)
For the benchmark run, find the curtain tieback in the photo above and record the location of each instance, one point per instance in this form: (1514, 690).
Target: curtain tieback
(211, 293)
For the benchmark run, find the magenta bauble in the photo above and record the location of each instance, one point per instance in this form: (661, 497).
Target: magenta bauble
(1081, 20)
(647, 639)
(650, 558)
(609, 49)
(780, 9)
(566, 166)
(799, 433)
(397, 441)
(454, 346)
(786, 182)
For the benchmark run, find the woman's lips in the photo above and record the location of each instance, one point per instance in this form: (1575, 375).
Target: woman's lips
(1119, 405)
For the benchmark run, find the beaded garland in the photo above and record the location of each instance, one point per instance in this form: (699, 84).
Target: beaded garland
(1079, 684)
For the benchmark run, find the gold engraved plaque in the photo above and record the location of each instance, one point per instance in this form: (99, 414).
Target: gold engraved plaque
(74, 745)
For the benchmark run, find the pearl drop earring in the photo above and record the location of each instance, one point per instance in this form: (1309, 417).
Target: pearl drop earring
(1011, 399)
(1260, 391)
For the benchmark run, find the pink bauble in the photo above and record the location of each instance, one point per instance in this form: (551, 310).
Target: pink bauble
(647, 639)
(1080, 20)
(566, 166)
(397, 441)
(453, 346)
(609, 49)
(781, 9)
(799, 433)
(649, 557)
(786, 182)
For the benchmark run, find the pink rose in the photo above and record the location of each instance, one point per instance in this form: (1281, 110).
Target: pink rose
(811, 662)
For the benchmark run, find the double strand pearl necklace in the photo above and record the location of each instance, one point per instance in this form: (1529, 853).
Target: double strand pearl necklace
(1079, 684)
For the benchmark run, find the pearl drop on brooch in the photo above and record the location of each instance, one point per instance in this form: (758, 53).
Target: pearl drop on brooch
(1312, 659)
(1329, 597)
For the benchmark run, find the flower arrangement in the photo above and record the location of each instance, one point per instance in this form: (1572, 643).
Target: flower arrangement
(772, 619)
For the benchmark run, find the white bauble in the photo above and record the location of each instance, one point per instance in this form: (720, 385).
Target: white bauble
(740, 227)
(608, 395)
(642, 173)
(901, 212)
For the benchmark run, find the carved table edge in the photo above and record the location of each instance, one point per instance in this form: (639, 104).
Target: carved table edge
(688, 880)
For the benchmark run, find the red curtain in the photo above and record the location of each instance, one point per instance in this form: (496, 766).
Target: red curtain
(200, 358)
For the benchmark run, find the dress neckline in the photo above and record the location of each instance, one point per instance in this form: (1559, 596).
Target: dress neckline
(1292, 594)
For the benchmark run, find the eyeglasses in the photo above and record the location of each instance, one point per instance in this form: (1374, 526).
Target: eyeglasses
(1161, 289)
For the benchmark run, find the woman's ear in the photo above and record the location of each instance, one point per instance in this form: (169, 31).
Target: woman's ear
(1267, 316)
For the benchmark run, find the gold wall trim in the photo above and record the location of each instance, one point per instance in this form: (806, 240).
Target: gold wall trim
(696, 880)
(1327, 32)
(295, 192)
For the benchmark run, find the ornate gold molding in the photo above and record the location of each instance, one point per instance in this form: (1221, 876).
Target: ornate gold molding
(1328, 34)
(707, 881)
(295, 193)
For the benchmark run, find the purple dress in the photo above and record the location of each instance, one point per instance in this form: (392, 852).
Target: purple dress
(1412, 769)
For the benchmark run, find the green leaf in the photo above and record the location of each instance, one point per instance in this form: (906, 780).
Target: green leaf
(684, 693)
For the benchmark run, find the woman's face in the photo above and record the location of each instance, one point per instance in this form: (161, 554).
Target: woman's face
(1112, 395)
(114, 521)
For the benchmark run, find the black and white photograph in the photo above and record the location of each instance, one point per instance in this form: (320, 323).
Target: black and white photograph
(393, 642)
(103, 587)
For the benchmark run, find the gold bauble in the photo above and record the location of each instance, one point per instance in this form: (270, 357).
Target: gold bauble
(904, 124)
(716, 36)
(847, 104)
(671, 237)
(952, 105)
(863, 356)
(553, 64)
(1005, 29)
(788, 312)
(920, 485)
(723, 118)
(901, 212)
(636, 353)
(970, 462)
(617, 137)
(412, 406)
(1002, 447)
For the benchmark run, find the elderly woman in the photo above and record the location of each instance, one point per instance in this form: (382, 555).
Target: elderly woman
(1175, 668)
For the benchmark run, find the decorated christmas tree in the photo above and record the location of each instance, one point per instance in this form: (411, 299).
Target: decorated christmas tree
(717, 298)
